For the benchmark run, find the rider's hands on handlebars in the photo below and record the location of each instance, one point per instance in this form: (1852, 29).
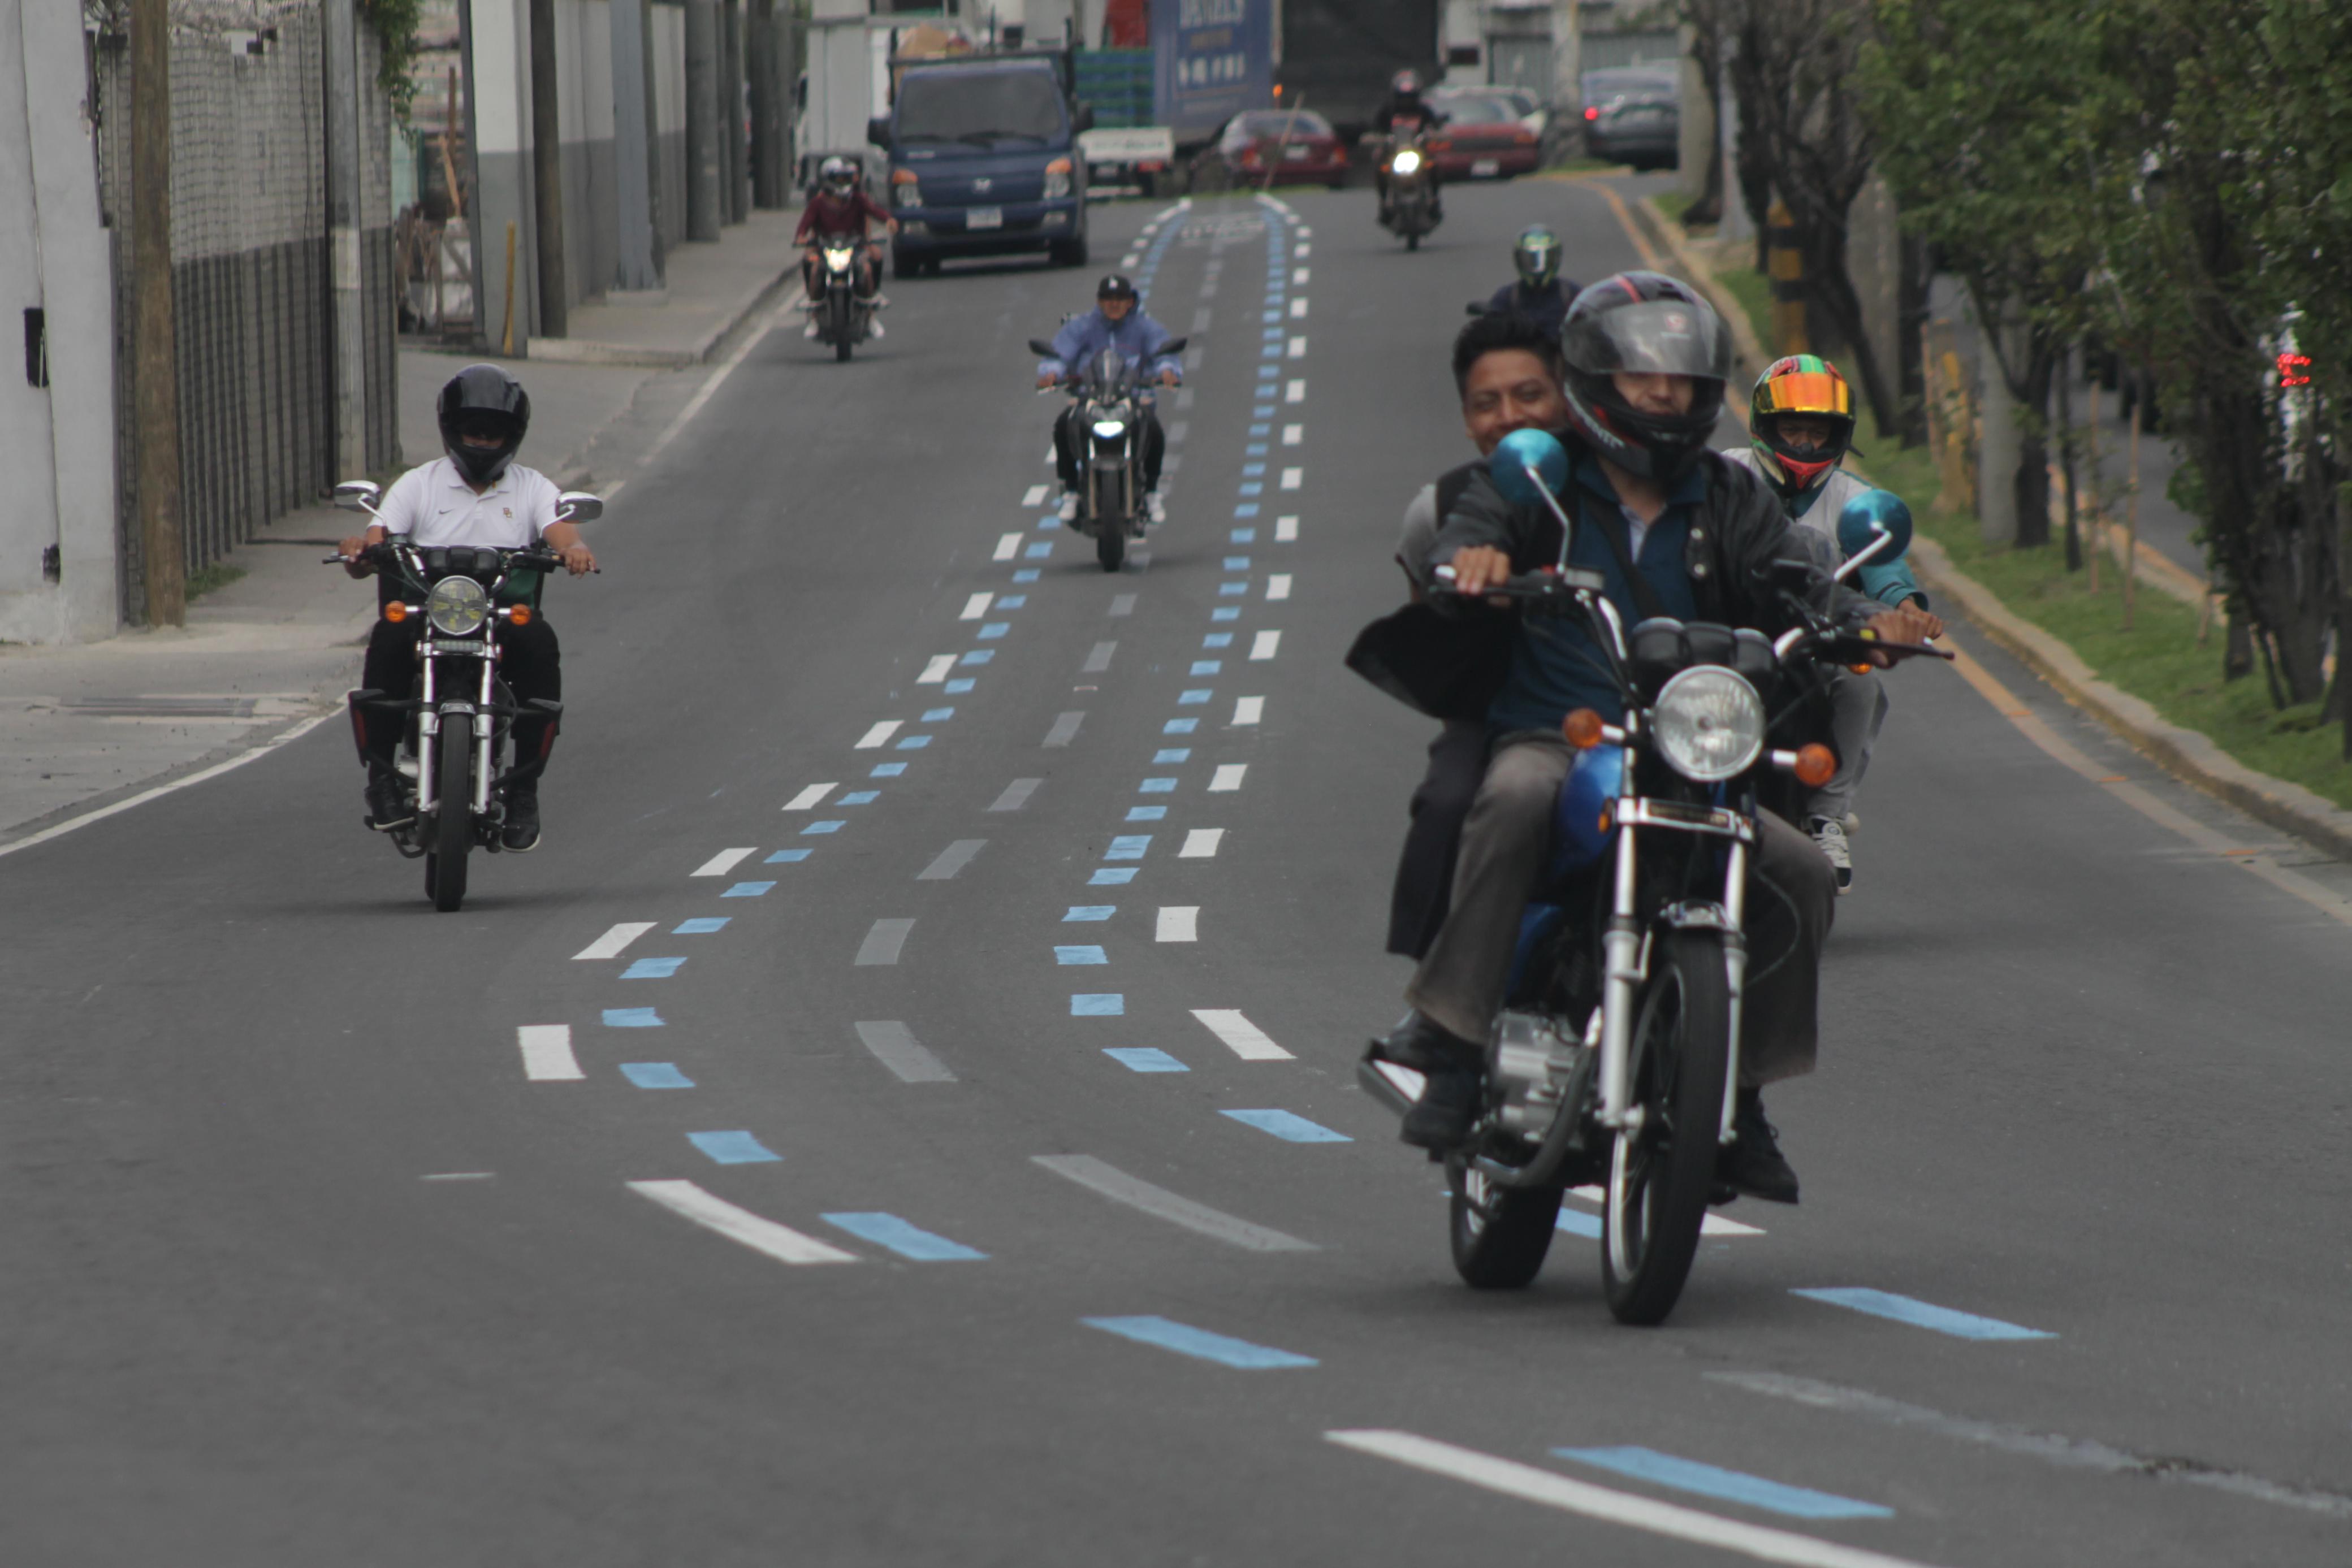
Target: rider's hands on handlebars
(1908, 624)
(1047, 381)
(1477, 567)
(578, 560)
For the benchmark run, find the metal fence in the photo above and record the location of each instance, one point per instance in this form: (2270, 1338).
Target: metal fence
(250, 281)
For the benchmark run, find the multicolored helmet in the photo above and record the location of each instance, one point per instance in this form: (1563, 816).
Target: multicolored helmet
(1809, 386)
(1536, 253)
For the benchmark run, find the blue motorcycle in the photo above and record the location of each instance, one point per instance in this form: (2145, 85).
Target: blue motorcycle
(1617, 1054)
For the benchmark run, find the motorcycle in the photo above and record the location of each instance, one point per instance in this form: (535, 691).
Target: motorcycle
(1616, 1055)
(1411, 209)
(841, 318)
(1111, 394)
(452, 759)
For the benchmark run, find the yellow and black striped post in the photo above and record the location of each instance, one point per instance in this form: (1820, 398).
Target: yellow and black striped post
(1787, 267)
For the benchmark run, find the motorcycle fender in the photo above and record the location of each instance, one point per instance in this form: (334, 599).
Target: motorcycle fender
(1596, 779)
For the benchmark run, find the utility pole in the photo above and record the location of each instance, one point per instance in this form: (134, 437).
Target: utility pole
(547, 173)
(156, 407)
(631, 179)
(762, 49)
(704, 184)
(343, 225)
(1567, 62)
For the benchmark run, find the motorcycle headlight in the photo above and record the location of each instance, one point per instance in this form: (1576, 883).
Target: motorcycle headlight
(1109, 429)
(1709, 724)
(1406, 162)
(456, 607)
(838, 257)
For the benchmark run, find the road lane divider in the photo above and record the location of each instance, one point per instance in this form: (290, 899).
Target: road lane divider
(701, 925)
(1577, 1223)
(1228, 778)
(908, 1242)
(951, 859)
(761, 1235)
(733, 1148)
(1064, 729)
(1009, 545)
(609, 945)
(656, 1075)
(1016, 795)
(1134, 1192)
(894, 1045)
(808, 797)
(1098, 1004)
(1921, 1314)
(1079, 954)
(1679, 1474)
(1240, 1035)
(1265, 644)
(1290, 1127)
(1201, 843)
(724, 861)
(884, 941)
(547, 1054)
(632, 1018)
(1098, 659)
(1144, 1058)
(653, 969)
(751, 889)
(1200, 1344)
(1286, 530)
(1248, 710)
(1178, 923)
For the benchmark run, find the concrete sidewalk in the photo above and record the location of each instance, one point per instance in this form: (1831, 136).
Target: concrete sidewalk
(273, 651)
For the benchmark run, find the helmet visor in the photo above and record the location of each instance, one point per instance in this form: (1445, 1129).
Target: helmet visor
(1657, 337)
(1805, 391)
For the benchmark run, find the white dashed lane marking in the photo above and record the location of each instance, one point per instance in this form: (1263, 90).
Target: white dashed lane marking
(976, 606)
(547, 1053)
(937, 670)
(808, 797)
(1228, 778)
(1178, 924)
(1201, 843)
(1240, 1035)
(1264, 645)
(1248, 710)
(609, 945)
(1009, 545)
(879, 733)
(781, 1242)
(723, 862)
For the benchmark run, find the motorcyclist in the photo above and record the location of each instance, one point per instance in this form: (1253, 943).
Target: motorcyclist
(1801, 427)
(1116, 321)
(476, 495)
(1404, 113)
(1539, 293)
(840, 206)
(1674, 529)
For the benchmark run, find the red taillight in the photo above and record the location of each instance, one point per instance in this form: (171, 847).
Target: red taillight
(1592, 112)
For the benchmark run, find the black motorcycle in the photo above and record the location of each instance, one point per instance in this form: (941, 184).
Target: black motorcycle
(1411, 182)
(842, 316)
(1112, 395)
(452, 763)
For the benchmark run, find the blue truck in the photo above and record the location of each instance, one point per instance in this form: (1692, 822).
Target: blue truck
(984, 159)
(1213, 58)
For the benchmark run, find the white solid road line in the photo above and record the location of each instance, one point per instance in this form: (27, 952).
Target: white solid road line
(781, 1242)
(810, 796)
(878, 733)
(1009, 545)
(547, 1053)
(894, 1045)
(937, 670)
(1136, 1192)
(1286, 530)
(1201, 843)
(1555, 1490)
(1277, 585)
(1178, 924)
(1248, 710)
(724, 861)
(1240, 1035)
(609, 945)
(976, 606)
(1264, 644)
(1228, 778)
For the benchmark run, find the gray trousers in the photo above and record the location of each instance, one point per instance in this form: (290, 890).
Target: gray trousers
(1858, 707)
(1505, 846)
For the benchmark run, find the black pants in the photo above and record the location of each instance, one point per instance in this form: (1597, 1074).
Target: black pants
(1425, 874)
(530, 664)
(1069, 443)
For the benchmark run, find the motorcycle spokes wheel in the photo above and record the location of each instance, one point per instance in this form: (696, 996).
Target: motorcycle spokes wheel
(1499, 1234)
(1662, 1171)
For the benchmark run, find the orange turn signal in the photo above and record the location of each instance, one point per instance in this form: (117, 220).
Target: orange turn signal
(1815, 763)
(1582, 727)
(519, 614)
(395, 612)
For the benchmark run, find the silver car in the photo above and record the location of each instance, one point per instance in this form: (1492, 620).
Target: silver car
(1633, 115)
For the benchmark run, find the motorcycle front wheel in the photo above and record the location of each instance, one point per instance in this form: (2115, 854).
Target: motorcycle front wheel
(453, 827)
(1499, 1234)
(1412, 241)
(1661, 1173)
(1111, 547)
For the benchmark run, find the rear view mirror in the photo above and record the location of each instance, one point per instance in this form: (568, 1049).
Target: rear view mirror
(1529, 466)
(877, 130)
(1084, 118)
(358, 495)
(1476, 307)
(1041, 349)
(578, 507)
(1869, 515)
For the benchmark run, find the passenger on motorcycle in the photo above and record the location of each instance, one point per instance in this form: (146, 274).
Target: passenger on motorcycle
(1801, 426)
(840, 206)
(1506, 371)
(1539, 293)
(1116, 321)
(476, 495)
(1675, 529)
(1404, 113)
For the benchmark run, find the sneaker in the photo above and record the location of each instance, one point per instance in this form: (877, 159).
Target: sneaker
(874, 328)
(1753, 1163)
(1068, 510)
(1154, 508)
(520, 835)
(879, 302)
(809, 330)
(1829, 833)
(387, 802)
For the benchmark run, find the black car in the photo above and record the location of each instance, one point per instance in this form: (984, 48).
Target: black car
(1633, 115)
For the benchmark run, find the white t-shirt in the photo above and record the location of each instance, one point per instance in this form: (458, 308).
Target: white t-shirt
(433, 505)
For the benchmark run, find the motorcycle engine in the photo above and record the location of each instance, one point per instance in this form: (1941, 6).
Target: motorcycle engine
(1532, 1062)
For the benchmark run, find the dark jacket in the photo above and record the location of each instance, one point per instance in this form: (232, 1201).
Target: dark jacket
(1547, 308)
(827, 213)
(1398, 107)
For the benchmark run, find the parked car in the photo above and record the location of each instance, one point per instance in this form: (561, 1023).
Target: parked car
(1300, 144)
(1482, 138)
(1633, 115)
(1521, 102)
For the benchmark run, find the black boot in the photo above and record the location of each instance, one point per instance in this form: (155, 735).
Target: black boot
(1753, 1163)
(1455, 1070)
(521, 832)
(387, 802)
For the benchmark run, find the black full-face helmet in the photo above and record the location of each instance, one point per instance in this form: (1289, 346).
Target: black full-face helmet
(483, 401)
(1643, 323)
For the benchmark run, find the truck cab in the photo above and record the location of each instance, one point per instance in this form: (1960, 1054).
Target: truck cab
(984, 161)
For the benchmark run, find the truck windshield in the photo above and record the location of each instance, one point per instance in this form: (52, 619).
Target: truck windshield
(983, 107)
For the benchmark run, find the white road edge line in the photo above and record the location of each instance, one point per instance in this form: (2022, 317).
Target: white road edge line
(781, 1242)
(547, 1054)
(1570, 1496)
(609, 945)
(727, 368)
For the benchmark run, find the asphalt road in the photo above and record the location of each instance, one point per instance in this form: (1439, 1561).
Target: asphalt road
(1009, 1105)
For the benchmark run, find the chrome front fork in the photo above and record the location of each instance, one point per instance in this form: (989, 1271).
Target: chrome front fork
(1734, 966)
(1621, 976)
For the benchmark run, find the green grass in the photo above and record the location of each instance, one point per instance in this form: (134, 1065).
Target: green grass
(1582, 166)
(1754, 292)
(1674, 204)
(206, 578)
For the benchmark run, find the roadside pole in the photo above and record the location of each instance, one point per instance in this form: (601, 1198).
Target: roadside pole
(1567, 63)
(156, 407)
(632, 170)
(547, 173)
(704, 183)
(343, 235)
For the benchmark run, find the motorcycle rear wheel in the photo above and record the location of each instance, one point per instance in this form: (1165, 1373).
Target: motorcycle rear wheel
(453, 830)
(1660, 1175)
(1499, 1234)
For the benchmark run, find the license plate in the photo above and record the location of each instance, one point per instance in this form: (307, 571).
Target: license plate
(1297, 154)
(1483, 167)
(983, 217)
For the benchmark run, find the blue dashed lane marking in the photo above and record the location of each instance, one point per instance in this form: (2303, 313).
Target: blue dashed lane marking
(1147, 813)
(1026, 574)
(1207, 666)
(1237, 563)
(1233, 589)
(938, 715)
(890, 769)
(1084, 912)
(701, 925)
(1145, 1059)
(787, 857)
(1261, 429)
(656, 1075)
(1172, 754)
(1179, 726)
(978, 656)
(1098, 1004)
(1289, 1128)
(1127, 847)
(1920, 1314)
(914, 743)
(907, 1241)
(1111, 876)
(957, 687)
(1218, 640)
(1079, 956)
(1157, 787)
(1253, 488)
(733, 1148)
(1244, 535)
(859, 798)
(994, 630)
(1039, 551)
(632, 1018)
(749, 890)
(1013, 602)
(1195, 695)
(1253, 470)
(1185, 1340)
(1246, 509)
(1731, 1486)
(1228, 612)
(652, 969)
(833, 826)
(1577, 1222)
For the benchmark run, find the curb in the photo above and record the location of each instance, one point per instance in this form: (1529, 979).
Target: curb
(588, 351)
(2186, 754)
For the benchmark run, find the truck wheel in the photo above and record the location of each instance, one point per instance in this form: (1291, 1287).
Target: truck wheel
(1068, 252)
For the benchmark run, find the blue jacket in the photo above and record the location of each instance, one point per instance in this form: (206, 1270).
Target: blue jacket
(1136, 337)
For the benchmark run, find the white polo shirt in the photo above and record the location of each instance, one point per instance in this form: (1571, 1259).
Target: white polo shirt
(433, 505)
